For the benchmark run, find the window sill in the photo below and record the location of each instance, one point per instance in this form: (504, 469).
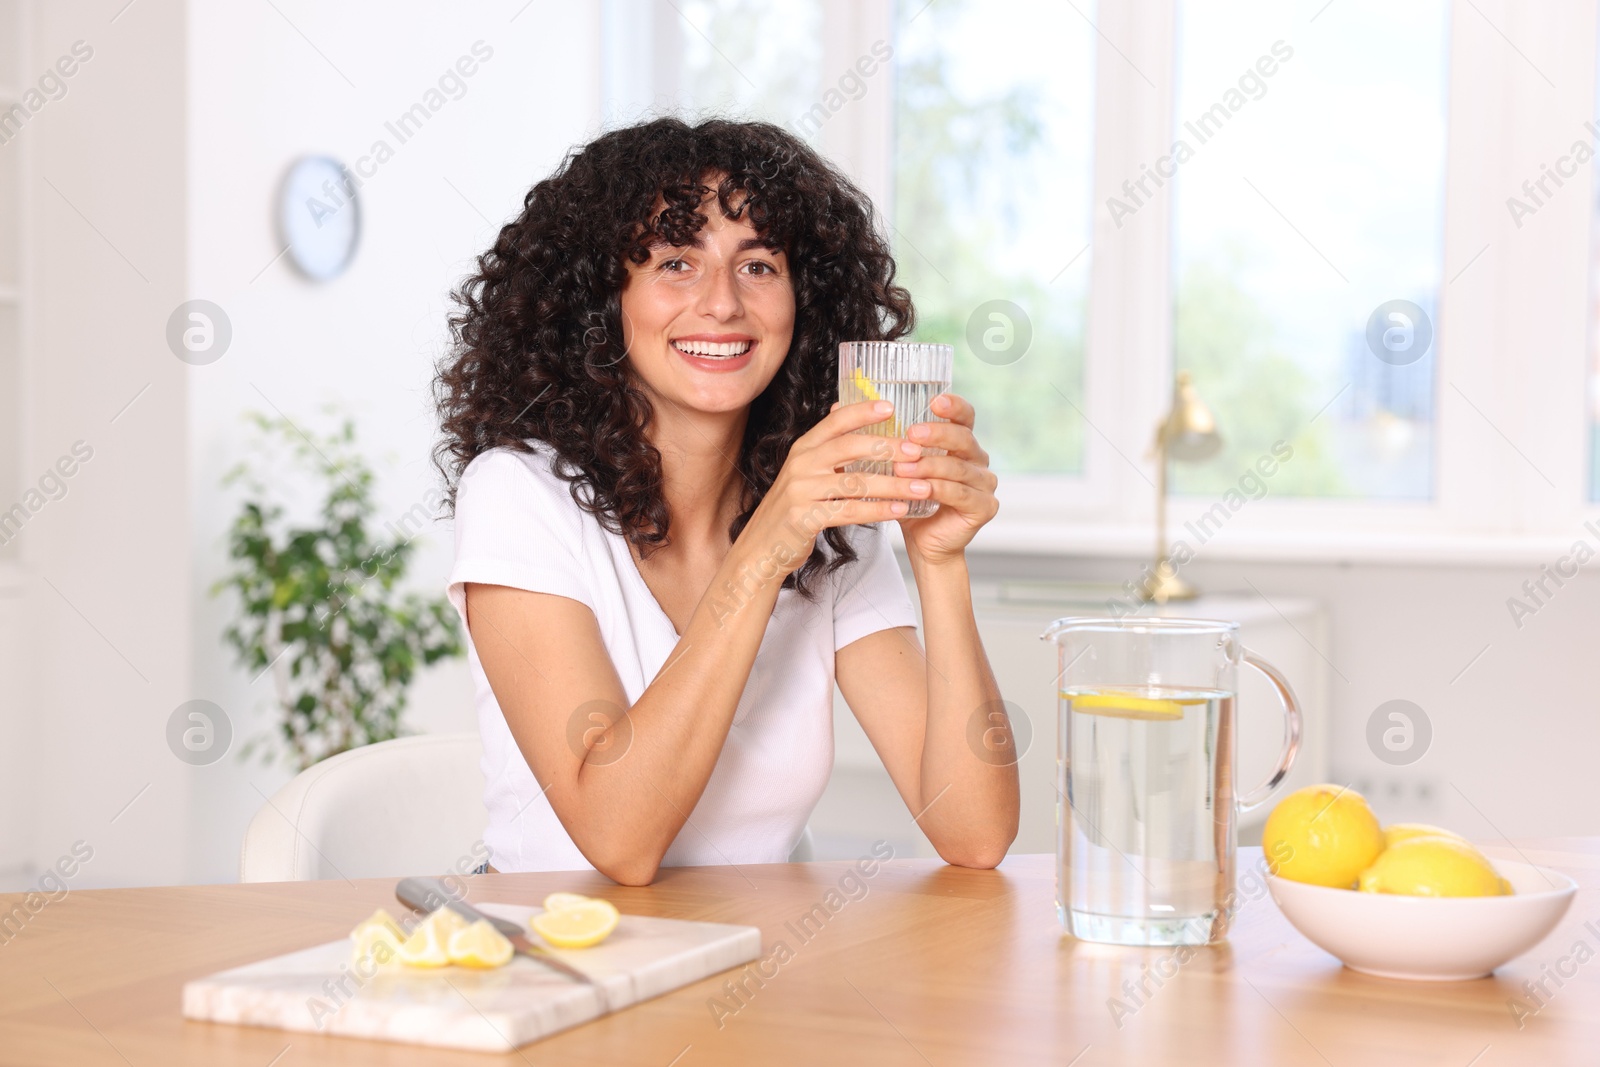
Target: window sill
(1331, 547)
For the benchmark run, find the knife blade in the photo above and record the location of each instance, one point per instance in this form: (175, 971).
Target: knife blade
(430, 894)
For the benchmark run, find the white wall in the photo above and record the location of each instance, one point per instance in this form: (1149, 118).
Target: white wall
(367, 340)
(106, 613)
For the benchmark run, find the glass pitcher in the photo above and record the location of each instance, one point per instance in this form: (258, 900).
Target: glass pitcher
(1146, 804)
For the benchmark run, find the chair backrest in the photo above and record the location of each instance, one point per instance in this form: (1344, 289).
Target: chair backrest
(409, 806)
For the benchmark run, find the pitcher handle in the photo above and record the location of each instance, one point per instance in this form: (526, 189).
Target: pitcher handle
(1291, 733)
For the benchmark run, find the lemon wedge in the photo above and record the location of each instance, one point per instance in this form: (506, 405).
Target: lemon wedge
(479, 945)
(377, 940)
(577, 925)
(429, 943)
(1125, 705)
(563, 900)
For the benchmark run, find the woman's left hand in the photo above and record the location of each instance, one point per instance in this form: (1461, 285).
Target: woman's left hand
(960, 481)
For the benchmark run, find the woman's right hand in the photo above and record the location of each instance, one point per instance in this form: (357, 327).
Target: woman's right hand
(811, 494)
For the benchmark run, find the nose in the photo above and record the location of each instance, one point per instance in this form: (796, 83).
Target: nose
(719, 294)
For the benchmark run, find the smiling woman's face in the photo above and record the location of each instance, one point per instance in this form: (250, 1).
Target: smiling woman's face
(708, 325)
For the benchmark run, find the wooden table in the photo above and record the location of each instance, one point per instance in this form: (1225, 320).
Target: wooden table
(932, 965)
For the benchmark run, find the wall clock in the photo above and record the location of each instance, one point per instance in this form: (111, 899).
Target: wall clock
(319, 217)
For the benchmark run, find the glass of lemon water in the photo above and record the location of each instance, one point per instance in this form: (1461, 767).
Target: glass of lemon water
(1146, 802)
(908, 374)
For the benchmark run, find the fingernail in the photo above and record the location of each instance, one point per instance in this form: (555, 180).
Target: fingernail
(883, 407)
(899, 507)
(920, 432)
(910, 449)
(921, 488)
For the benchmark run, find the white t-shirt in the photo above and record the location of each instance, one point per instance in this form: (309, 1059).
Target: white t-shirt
(516, 525)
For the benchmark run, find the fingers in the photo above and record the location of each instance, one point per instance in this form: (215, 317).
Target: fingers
(843, 419)
(858, 447)
(976, 504)
(955, 408)
(857, 484)
(950, 436)
(951, 469)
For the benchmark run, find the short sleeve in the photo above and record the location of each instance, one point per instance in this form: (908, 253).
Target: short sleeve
(517, 525)
(871, 592)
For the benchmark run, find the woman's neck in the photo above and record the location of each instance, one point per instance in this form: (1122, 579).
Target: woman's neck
(700, 476)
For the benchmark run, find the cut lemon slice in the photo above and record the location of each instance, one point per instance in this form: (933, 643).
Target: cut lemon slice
(479, 945)
(1129, 706)
(379, 919)
(577, 925)
(563, 900)
(428, 945)
(377, 941)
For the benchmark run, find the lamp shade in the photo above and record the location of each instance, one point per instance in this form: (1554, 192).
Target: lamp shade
(1190, 430)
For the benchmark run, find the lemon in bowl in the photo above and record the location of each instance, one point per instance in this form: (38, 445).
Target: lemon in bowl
(1433, 865)
(1322, 835)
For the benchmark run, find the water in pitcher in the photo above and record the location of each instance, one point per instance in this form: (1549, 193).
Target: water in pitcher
(913, 403)
(1147, 807)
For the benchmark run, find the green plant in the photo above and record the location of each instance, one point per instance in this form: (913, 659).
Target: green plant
(321, 608)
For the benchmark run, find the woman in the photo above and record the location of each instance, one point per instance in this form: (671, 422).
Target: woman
(660, 567)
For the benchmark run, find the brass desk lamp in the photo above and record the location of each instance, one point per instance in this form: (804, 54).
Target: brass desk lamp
(1187, 434)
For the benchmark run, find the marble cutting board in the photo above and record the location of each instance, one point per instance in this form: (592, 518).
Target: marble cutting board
(317, 990)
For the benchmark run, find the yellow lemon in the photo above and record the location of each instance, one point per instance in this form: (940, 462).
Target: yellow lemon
(479, 945)
(1404, 831)
(1433, 867)
(1128, 704)
(429, 943)
(577, 925)
(563, 900)
(377, 940)
(1322, 835)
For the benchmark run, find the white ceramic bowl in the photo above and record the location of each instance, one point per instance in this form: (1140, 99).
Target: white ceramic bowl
(1428, 938)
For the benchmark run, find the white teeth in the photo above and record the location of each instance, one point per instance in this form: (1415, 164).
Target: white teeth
(707, 348)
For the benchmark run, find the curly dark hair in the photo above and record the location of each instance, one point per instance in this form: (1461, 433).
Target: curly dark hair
(537, 346)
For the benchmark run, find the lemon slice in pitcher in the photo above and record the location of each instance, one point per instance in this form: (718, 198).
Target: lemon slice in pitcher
(1128, 704)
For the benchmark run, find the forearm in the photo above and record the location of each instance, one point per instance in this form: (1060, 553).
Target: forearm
(968, 775)
(633, 805)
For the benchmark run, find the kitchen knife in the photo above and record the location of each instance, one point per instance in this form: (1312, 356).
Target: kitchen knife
(429, 894)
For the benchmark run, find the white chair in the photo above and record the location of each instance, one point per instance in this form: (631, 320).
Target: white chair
(409, 806)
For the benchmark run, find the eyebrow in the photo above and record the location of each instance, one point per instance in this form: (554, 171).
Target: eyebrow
(744, 245)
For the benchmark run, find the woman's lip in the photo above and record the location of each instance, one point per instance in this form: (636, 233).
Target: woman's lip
(717, 364)
(716, 338)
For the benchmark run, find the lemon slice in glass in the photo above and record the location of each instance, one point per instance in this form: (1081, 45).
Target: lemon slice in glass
(870, 392)
(479, 945)
(577, 925)
(1128, 704)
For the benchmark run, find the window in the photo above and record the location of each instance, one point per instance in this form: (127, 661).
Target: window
(1335, 258)
(742, 58)
(992, 211)
(1307, 239)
